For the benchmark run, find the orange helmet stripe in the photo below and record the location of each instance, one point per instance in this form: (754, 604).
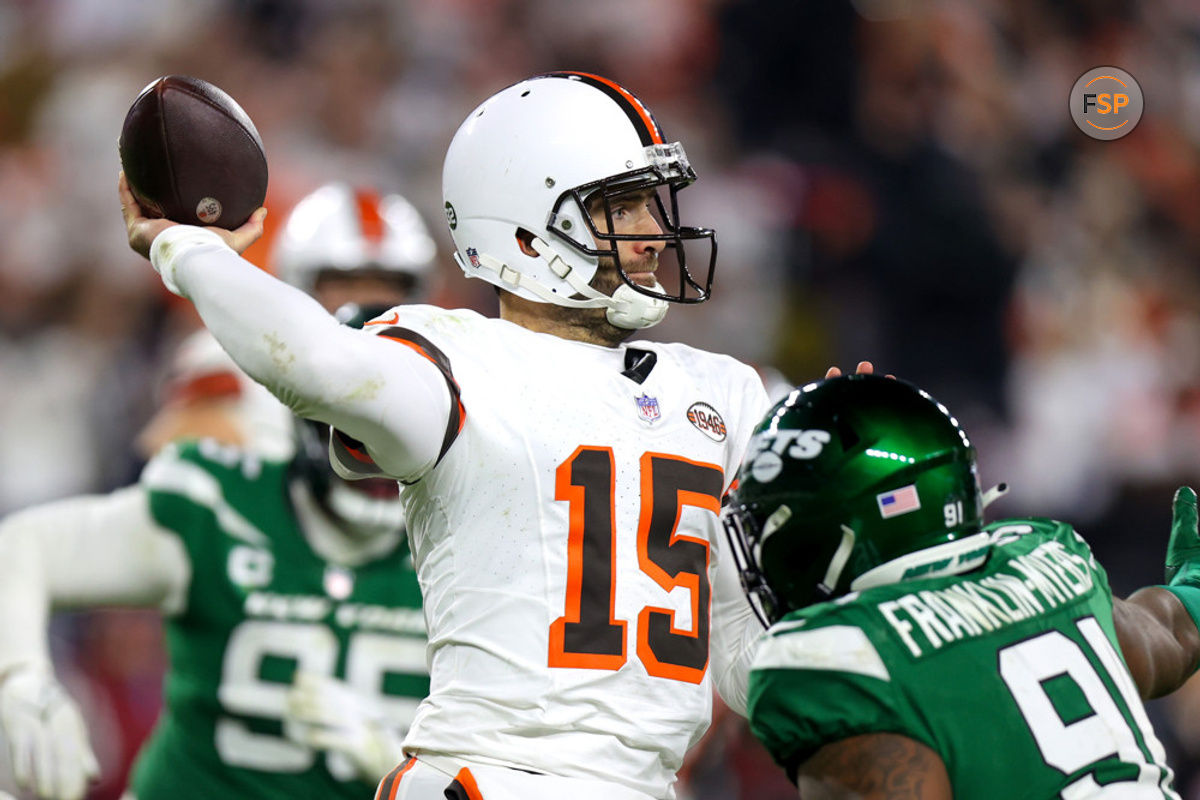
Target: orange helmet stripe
(369, 216)
(647, 127)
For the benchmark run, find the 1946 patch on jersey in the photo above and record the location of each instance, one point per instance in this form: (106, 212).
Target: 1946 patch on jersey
(707, 421)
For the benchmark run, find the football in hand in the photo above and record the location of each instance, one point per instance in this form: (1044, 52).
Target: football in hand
(192, 155)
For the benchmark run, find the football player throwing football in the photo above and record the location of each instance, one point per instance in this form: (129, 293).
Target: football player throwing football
(562, 483)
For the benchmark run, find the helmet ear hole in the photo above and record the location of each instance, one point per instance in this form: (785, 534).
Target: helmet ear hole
(525, 242)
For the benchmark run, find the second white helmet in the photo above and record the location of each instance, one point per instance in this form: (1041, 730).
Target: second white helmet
(339, 227)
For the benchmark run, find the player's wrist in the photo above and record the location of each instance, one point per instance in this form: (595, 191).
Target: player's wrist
(1186, 573)
(170, 248)
(1188, 594)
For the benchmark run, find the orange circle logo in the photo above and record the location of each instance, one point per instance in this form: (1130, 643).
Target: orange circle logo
(1106, 103)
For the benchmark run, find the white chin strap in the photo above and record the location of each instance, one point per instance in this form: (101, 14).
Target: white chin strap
(627, 309)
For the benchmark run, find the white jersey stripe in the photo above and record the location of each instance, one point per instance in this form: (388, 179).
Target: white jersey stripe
(843, 648)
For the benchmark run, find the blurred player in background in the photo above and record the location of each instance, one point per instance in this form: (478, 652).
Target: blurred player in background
(916, 652)
(295, 635)
(293, 622)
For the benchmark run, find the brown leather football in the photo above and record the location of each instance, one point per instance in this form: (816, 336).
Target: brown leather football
(192, 155)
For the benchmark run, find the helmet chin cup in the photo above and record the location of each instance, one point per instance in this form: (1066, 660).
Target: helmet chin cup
(631, 310)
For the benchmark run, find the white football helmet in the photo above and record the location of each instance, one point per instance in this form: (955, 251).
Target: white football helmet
(340, 227)
(529, 157)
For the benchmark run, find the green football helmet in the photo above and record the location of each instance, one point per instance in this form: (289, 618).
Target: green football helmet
(850, 483)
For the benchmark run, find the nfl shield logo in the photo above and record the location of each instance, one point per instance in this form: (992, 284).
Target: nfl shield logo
(473, 257)
(648, 408)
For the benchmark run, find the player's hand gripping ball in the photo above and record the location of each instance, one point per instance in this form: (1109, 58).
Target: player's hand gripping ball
(192, 155)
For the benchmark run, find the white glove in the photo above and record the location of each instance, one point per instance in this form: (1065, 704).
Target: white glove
(47, 739)
(327, 714)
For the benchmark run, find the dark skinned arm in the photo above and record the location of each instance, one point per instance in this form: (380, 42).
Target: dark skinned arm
(875, 766)
(1158, 636)
(1158, 639)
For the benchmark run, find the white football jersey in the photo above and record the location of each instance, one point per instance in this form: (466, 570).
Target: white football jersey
(568, 543)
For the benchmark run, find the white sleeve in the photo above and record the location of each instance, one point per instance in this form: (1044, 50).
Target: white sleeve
(735, 634)
(101, 550)
(388, 397)
(736, 628)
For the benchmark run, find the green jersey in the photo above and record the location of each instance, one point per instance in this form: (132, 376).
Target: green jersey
(1011, 673)
(261, 605)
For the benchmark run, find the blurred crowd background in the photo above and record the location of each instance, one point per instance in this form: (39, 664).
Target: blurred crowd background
(892, 180)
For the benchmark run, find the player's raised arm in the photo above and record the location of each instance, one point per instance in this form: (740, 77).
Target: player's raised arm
(286, 341)
(1156, 626)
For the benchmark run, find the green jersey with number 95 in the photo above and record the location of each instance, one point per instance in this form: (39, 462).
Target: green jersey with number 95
(1011, 673)
(262, 606)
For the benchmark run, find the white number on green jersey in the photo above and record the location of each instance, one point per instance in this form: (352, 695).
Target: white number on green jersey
(1027, 667)
(314, 648)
